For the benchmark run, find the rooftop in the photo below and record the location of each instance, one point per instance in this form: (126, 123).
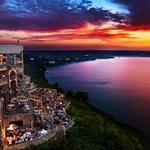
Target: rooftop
(10, 49)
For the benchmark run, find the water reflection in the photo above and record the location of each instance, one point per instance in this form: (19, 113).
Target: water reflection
(119, 86)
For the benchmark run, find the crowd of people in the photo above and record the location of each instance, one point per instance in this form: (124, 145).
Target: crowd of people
(51, 114)
(18, 135)
(53, 108)
(18, 105)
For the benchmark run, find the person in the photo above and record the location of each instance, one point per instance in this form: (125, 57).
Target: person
(14, 139)
(9, 139)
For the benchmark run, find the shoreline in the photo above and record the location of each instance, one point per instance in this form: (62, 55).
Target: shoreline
(98, 109)
(45, 83)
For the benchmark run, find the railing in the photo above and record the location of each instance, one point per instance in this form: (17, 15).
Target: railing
(3, 81)
(70, 124)
(36, 141)
(31, 89)
(40, 138)
(67, 105)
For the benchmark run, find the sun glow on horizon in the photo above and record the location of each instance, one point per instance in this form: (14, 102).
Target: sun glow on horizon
(87, 35)
(93, 24)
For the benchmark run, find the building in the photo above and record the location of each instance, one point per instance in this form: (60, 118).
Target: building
(26, 112)
(11, 65)
(14, 86)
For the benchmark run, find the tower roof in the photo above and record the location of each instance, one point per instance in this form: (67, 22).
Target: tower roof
(9, 49)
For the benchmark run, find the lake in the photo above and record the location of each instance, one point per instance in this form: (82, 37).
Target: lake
(117, 86)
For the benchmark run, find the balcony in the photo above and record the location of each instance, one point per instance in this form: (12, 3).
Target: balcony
(3, 67)
(3, 81)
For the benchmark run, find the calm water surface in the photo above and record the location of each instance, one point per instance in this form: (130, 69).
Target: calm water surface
(118, 86)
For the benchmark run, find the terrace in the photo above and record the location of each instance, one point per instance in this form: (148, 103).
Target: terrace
(16, 134)
(48, 120)
(19, 137)
(29, 137)
(19, 105)
(53, 104)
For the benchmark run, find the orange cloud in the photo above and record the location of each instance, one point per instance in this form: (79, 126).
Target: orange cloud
(89, 35)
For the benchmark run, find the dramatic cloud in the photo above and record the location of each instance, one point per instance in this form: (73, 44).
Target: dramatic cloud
(47, 15)
(139, 12)
(76, 23)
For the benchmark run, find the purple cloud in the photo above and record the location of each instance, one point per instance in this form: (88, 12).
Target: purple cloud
(44, 15)
(139, 12)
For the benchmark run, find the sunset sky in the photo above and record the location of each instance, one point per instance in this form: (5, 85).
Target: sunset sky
(76, 24)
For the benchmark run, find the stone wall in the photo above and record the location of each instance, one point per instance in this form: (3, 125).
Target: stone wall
(27, 119)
